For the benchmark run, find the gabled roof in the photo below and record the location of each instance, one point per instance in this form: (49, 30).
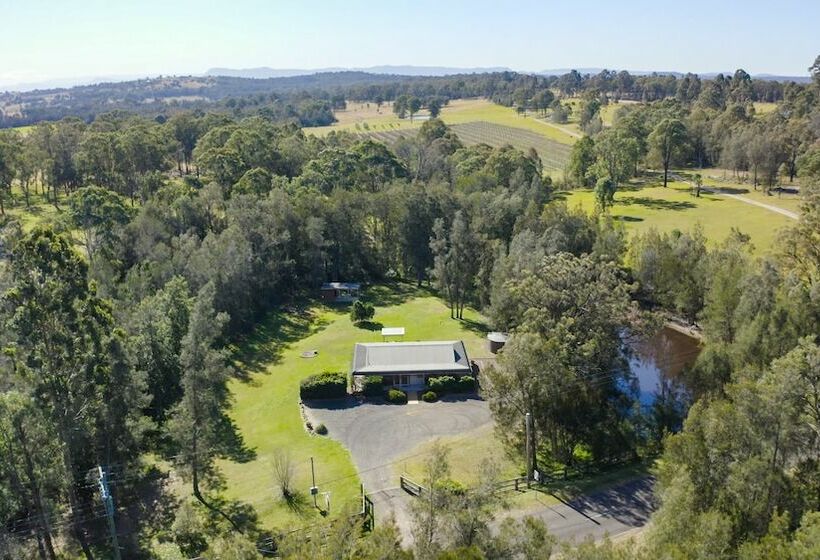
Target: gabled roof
(377, 358)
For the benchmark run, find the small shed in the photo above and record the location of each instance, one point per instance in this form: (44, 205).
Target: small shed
(341, 292)
(496, 341)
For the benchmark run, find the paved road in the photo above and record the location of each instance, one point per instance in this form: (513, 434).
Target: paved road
(609, 512)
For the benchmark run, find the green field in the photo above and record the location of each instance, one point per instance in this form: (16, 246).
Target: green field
(457, 112)
(642, 206)
(266, 409)
(554, 155)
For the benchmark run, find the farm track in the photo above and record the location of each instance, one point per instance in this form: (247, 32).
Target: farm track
(554, 155)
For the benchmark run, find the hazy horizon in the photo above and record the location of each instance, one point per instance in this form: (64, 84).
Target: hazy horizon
(93, 39)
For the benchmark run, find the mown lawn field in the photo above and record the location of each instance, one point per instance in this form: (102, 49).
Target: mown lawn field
(266, 401)
(640, 207)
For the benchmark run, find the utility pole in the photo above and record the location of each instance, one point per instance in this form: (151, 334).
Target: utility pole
(108, 500)
(528, 429)
(313, 489)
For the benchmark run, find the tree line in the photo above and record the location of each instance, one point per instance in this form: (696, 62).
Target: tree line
(310, 99)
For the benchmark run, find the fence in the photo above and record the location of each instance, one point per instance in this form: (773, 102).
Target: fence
(415, 489)
(512, 484)
(368, 513)
(411, 487)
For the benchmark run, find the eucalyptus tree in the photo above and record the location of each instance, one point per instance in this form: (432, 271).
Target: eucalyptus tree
(667, 143)
(62, 343)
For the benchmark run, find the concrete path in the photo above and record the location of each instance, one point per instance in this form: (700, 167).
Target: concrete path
(741, 198)
(610, 512)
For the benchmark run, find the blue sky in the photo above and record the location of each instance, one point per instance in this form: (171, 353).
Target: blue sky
(46, 40)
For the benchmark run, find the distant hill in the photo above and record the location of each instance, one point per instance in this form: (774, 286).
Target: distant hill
(265, 72)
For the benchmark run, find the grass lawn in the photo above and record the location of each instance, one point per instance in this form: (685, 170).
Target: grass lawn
(266, 409)
(466, 451)
(41, 211)
(456, 112)
(640, 207)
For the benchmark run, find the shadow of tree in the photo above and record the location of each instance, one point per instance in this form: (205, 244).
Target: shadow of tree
(657, 203)
(395, 293)
(478, 327)
(369, 325)
(627, 218)
(729, 190)
(150, 511)
(231, 443)
(272, 336)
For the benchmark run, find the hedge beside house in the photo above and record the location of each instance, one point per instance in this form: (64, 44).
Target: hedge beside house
(373, 386)
(329, 385)
(448, 384)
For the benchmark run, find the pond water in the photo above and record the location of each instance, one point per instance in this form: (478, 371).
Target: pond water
(657, 364)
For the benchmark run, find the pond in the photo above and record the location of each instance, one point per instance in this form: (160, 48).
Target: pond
(658, 362)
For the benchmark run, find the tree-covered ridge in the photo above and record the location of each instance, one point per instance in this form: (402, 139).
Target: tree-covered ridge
(309, 99)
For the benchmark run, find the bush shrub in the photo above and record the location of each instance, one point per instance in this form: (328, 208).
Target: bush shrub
(448, 384)
(361, 311)
(396, 396)
(466, 384)
(373, 386)
(327, 385)
(321, 429)
(429, 396)
(442, 384)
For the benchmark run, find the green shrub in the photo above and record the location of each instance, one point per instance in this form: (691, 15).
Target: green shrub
(396, 396)
(450, 486)
(466, 384)
(321, 429)
(329, 385)
(448, 384)
(442, 384)
(361, 311)
(373, 386)
(429, 396)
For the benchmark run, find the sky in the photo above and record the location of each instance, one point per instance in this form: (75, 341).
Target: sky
(46, 40)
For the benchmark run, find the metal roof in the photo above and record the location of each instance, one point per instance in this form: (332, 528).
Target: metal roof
(341, 286)
(378, 358)
(393, 331)
(497, 336)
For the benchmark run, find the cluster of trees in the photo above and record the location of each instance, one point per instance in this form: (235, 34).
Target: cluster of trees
(712, 129)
